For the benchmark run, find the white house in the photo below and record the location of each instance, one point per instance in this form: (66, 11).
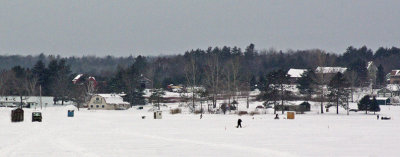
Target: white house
(326, 73)
(108, 102)
(295, 74)
(27, 101)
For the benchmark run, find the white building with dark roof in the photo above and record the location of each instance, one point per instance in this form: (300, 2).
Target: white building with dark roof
(27, 101)
(295, 74)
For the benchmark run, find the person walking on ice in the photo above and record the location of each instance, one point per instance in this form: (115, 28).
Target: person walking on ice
(276, 116)
(239, 123)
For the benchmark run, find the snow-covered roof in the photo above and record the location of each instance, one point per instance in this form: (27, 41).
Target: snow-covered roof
(379, 98)
(77, 77)
(293, 102)
(296, 72)
(113, 98)
(393, 87)
(395, 73)
(168, 94)
(327, 70)
(92, 78)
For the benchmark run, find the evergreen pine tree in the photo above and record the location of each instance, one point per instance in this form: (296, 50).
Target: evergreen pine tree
(360, 66)
(39, 71)
(306, 83)
(380, 78)
(157, 96)
(374, 106)
(128, 81)
(261, 82)
(253, 82)
(275, 87)
(270, 91)
(364, 103)
(51, 73)
(337, 88)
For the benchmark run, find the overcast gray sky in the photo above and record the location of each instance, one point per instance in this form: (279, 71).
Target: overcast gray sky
(152, 27)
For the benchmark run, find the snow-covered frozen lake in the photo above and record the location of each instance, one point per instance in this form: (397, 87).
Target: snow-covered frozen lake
(125, 133)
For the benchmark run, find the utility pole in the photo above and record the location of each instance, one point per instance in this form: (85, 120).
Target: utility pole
(201, 109)
(40, 94)
(348, 107)
(283, 108)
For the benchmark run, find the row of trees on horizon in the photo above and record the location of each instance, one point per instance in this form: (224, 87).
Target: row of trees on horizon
(220, 70)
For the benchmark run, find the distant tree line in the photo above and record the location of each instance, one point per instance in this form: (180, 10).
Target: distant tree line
(227, 71)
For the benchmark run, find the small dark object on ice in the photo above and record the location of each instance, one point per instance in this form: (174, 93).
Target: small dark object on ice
(377, 117)
(276, 116)
(70, 113)
(143, 117)
(239, 123)
(36, 117)
(17, 115)
(385, 118)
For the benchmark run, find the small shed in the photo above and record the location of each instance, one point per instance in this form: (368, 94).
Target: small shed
(17, 115)
(290, 115)
(157, 114)
(70, 113)
(70, 110)
(36, 116)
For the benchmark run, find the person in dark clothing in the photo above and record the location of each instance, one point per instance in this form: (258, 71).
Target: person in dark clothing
(239, 123)
(377, 117)
(276, 116)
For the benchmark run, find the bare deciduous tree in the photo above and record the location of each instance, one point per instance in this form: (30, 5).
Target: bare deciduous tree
(190, 74)
(321, 79)
(79, 95)
(235, 66)
(351, 76)
(212, 74)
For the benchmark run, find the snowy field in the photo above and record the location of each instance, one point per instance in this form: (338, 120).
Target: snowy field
(125, 133)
